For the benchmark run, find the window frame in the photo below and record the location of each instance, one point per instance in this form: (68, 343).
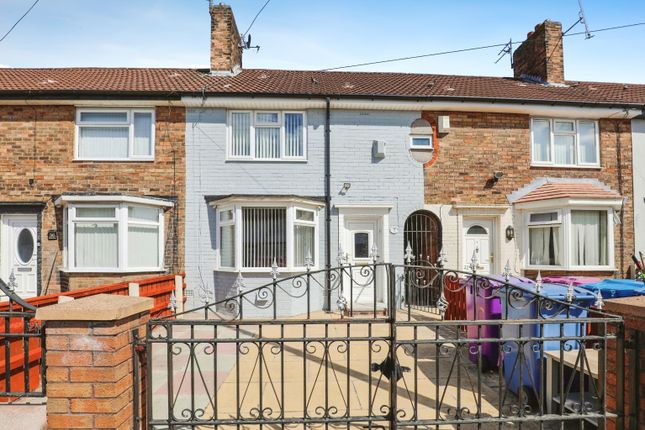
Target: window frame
(566, 237)
(123, 221)
(422, 148)
(129, 123)
(291, 222)
(575, 133)
(254, 124)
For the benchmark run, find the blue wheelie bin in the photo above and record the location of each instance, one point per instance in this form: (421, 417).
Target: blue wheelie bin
(614, 288)
(552, 317)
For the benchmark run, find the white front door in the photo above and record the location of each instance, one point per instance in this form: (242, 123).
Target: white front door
(19, 254)
(361, 238)
(478, 240)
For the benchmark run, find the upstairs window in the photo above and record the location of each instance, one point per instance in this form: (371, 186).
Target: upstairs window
(564, 142)
(267, 135)
(115, 134)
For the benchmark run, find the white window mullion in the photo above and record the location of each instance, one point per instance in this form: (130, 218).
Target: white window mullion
(238, 237)
(162, 228)
(70, 237)
(290, 245)
(122, 237)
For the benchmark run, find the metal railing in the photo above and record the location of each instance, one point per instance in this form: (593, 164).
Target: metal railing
(269, 356)
(22, 346)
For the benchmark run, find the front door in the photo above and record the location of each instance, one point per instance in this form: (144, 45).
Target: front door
(362, 240)
(478, 240)
(19, 254)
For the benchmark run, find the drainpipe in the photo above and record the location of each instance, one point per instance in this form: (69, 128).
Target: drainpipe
(327, 302)
(619, 161)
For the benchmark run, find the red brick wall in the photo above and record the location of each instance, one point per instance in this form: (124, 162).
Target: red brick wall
(37, 164)
(480, 143)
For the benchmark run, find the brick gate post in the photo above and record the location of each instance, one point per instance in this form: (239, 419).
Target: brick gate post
(89, 360)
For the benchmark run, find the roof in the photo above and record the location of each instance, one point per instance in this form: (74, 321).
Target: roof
(174, 82)
(255, 197)
(559, 190)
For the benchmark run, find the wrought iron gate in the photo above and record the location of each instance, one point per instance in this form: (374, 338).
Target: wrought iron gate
(22, 348)
(266, 358)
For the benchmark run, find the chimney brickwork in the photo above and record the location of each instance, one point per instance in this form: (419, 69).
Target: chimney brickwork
(541, 54)
(226, 49)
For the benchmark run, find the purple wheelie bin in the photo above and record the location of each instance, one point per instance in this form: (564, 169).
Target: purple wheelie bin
(488, 307)
(576, 281)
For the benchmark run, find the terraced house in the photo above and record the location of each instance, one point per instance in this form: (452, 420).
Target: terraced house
(233, 173)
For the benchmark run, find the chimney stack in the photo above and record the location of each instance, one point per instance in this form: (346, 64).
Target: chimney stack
(541, 55)
(226, 47)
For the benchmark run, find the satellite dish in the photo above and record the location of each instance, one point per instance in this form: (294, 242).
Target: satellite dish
(248, 41)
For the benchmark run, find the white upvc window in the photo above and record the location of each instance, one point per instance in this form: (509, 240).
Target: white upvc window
(571, 238)
(267, 135)
(565, 142)
(421, 142)
(115, 134)
(113, 237)
(251, 236)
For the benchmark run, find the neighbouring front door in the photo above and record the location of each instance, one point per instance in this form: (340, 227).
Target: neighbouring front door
(361, 238)
(19, 254)
(478, 240)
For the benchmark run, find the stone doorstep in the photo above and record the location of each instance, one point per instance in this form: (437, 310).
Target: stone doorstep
(31, 413)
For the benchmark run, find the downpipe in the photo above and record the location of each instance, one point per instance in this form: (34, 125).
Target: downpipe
(327, 300)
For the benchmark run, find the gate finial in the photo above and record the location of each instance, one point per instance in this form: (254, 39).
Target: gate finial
(274, 269)
(538, 283)
(408, 256)
(374, 253)
(442, 258)
(507, 270)
(474, 262)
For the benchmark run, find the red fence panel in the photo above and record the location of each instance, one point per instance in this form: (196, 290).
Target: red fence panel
(13, 361)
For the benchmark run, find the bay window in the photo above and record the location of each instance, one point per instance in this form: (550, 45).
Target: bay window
(267, 135)
(115, 235)
(115, 134)
(252, 235)
(564, 142)
(572, 238)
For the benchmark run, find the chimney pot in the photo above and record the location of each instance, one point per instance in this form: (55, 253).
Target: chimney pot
(226, 46)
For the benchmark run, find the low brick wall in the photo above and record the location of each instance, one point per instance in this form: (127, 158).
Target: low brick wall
(632, 309)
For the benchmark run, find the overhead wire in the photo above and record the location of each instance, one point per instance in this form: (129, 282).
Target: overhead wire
(256, 17)
(474, 48)
(18, 22)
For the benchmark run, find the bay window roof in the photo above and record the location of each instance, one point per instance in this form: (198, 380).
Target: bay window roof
(217, 200)
(563, 192)
(112, 198)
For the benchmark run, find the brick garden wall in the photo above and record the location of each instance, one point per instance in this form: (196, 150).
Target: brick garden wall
(37, 164)
(480, 143)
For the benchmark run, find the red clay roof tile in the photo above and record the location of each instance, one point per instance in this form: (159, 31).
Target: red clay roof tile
(168, 82)
(559, 190)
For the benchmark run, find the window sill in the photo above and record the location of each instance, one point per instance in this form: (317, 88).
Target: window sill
(564, 167)
(267, 270)
(114, 160)
(115, 271)
(270, 160)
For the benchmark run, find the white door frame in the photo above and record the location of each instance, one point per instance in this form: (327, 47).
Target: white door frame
(467, 222)
(379, 213)
(6, 247)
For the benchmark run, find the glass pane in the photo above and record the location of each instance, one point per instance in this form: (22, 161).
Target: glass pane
(142, 134)
(103, 142)
(589, 238)
(544, 246)
(227, 245)
(95, 212)
(566, 126)
(96, 245)
(241, 134)
(544, 217)
(143, 213)
(305, 244)
(565, 150)
(294, 135)
(25, 245)
(587, 144)
(105, 117)
(477, 229)
(264, 237)
(143, 246)
(541, 141)
(267, 117)
(304, 215)
(424, 142)
(226, 215)
(361, 245)
(267, 142)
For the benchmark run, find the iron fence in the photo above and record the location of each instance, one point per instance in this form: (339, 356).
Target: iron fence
(244, 363)
(22, 349)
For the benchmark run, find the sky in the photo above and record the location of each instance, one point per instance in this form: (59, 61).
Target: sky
(319, 34)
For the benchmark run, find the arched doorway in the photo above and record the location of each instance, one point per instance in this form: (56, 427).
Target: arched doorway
(423, 233)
